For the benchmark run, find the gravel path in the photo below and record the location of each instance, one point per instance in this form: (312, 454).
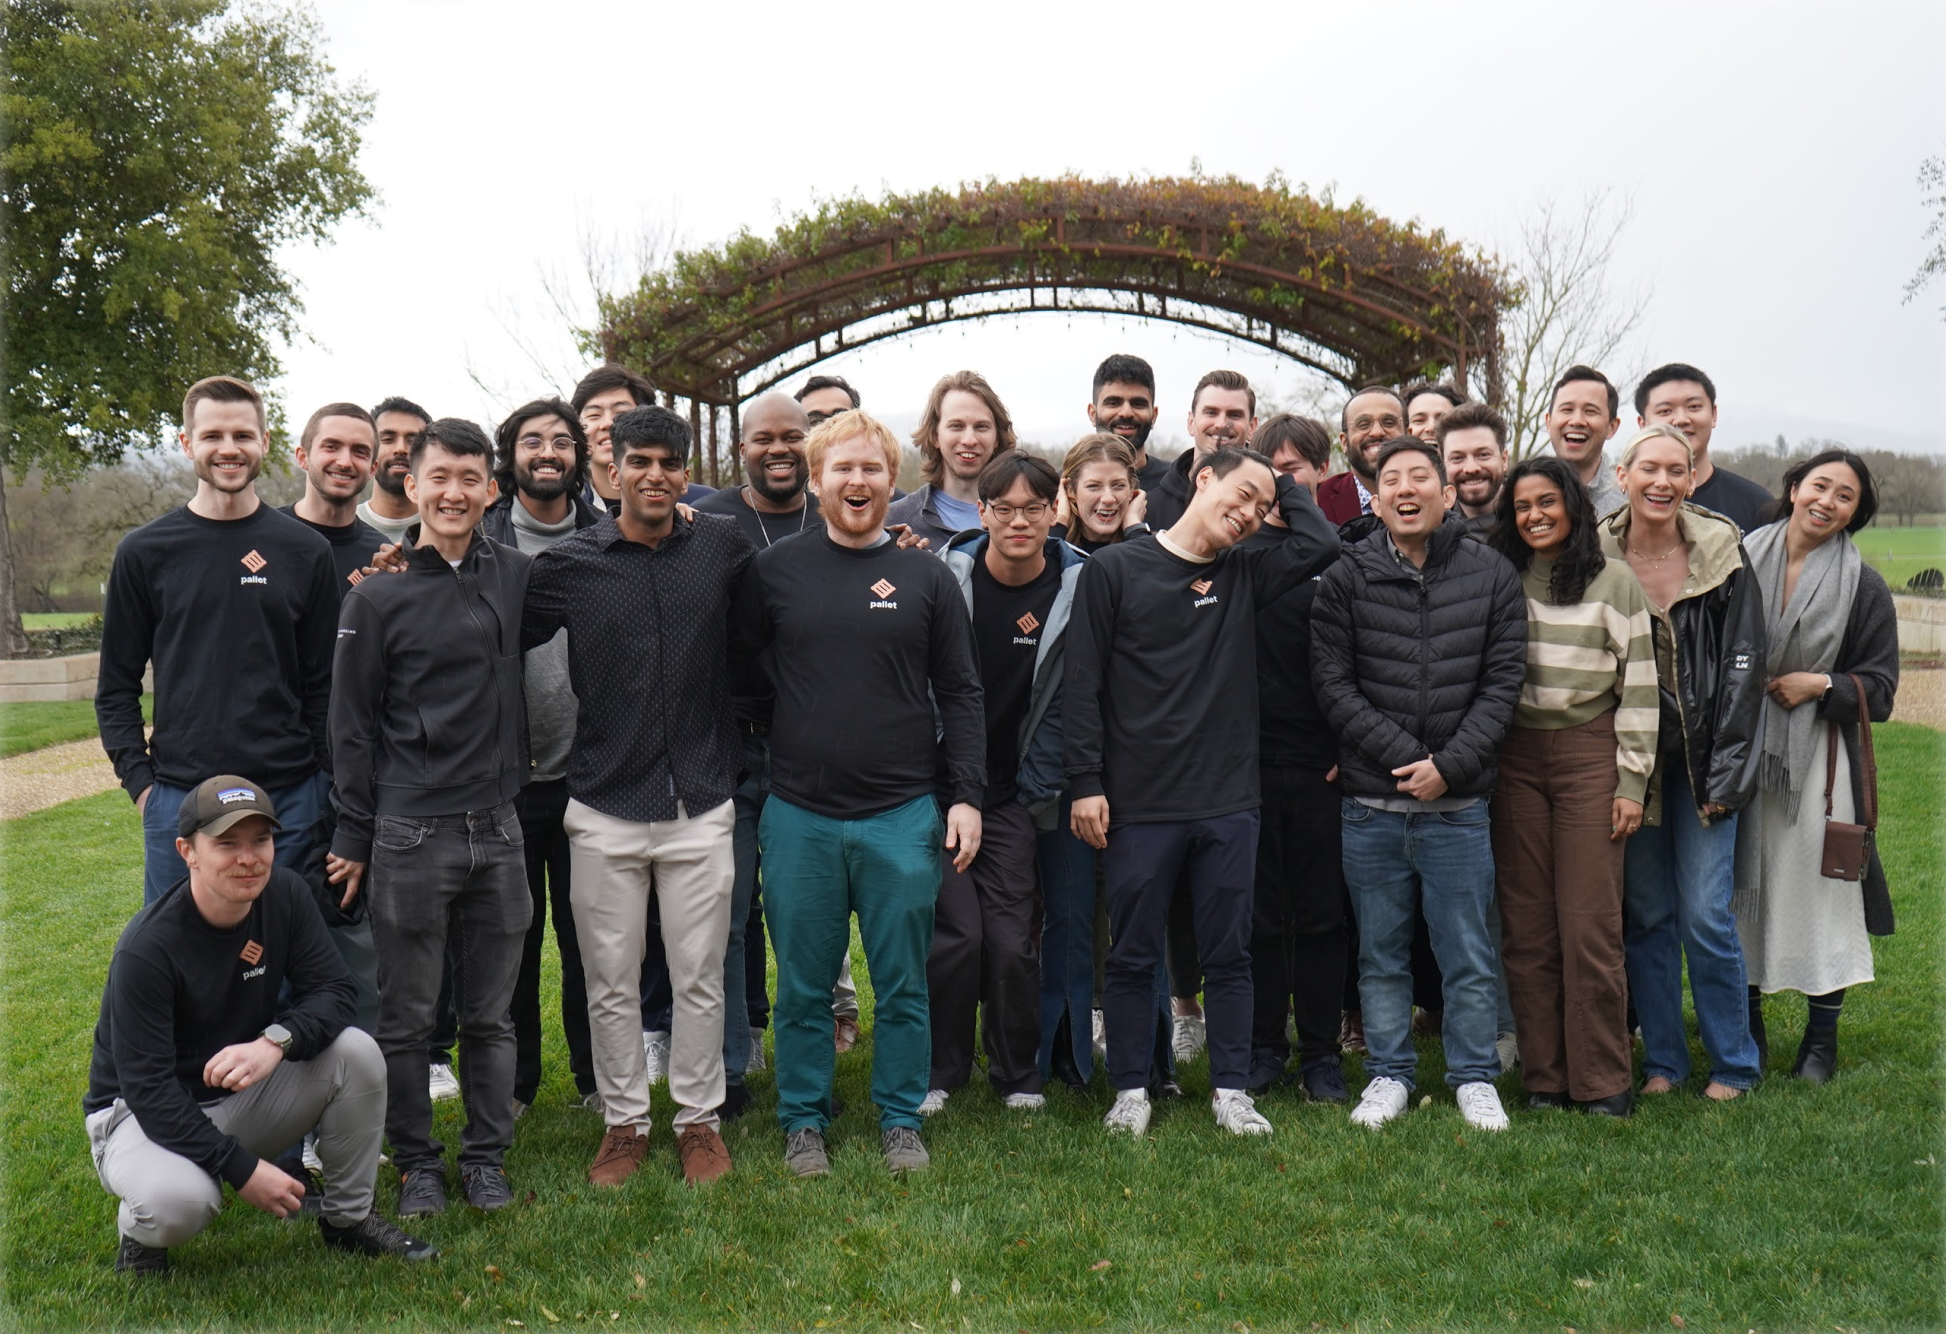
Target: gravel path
(43, 778)
(1922, 697)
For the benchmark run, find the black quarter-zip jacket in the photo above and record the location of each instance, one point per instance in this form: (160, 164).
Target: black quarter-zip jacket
(427, 713)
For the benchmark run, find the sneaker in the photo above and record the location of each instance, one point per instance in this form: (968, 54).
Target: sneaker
(1098, 1030)
(1620, 1105)
(486, 1187)
(312, 1205)
(1383, 1100)
(903, 1150)
(1351, 1033)
(520, 1108)
(704, 1156)
(756, 1061)
(1130, 1114)
(1024, 1102)
(844, 1033)
(804, 1153)
(934, 1102)
(1479, 1103)
(1507, 1048)
(591, 1102)
(1324, 1081)
(374, 1235)
(655, 1050)
(312, 1162)
(422, 1192)
(1192, 1035)
(443, 1084)
(1236, 1113)
(622, 1150)
(1549, 1102)
(135, 1258)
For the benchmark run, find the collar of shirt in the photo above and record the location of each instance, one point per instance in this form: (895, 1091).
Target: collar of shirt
(679, 529)
(1364, 496)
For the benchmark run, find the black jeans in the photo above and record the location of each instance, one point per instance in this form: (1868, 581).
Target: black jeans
(1298, 932)
(986, 958)
(541, 806)
(467, 870)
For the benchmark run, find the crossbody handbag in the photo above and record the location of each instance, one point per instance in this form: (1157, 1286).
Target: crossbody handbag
(1848, 847)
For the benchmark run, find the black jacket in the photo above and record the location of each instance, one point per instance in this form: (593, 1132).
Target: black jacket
(1870, 649)
(1169, 497)
(1409, 664)
(498, 522)
(427, 713)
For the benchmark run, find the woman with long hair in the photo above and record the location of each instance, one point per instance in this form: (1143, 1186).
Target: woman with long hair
(1707, 618)
(1101, 497)
(1829, 617)
(1574, 772)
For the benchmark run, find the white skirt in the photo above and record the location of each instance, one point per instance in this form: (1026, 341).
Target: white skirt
(1800, 931)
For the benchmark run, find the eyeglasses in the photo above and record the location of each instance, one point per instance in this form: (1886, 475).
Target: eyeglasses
(1005, 513)
(563, 443)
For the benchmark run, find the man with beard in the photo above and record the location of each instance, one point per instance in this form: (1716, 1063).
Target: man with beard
(1222, 415)
(1426, 404)
(541, 461)
(1582, 417)
(1372, 416)
(964, 425)
(226, 570)
(1123, 404)
(603, 394)
(773, 504)
(399, 423)
(868, 645)
(1473, 439)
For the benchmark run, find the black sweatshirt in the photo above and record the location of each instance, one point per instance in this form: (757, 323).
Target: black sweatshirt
(1007, 625)
(238, 617)
(1292, 731)
(1160, 696)
(180, 990)
(864, 643)
(764, 530)
(352, 547)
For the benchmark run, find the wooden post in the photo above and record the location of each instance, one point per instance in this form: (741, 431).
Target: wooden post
(695, 435)
(715, 471)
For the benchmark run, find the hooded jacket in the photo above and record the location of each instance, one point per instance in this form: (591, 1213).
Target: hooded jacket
(1410, 663)
(1040, 778)
(498, 521)
(1716, 710)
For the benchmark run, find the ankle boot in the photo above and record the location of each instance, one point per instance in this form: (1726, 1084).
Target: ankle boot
(1762, 1037)
(1817, 1055)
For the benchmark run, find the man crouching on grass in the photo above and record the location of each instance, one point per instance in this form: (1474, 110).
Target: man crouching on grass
(200, 1070)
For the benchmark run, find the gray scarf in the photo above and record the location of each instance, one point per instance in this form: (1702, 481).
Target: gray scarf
(1804, 637)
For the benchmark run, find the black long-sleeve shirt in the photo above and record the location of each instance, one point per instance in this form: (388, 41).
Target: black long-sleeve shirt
(648, 661)
(352, 547)
(180, 990)
(1292, 731)
(1161, 686)
(862, 644)
(239, 618)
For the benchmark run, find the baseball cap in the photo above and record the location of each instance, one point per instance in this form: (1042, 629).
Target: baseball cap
(219, 802)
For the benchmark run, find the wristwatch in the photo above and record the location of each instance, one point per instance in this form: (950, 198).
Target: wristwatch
(280, 1035)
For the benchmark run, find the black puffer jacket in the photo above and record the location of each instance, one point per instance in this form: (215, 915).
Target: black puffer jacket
(1409, 664)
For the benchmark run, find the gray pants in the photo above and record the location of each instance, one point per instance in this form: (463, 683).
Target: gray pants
(166, 1199)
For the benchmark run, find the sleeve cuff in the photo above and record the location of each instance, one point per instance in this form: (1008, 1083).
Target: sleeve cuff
(141, 777)
(1085, 785)
(970, 794)
(1634, 787)
(351, 847)
(239, 1167)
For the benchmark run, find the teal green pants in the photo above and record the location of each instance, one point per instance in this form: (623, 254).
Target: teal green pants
(818, 872)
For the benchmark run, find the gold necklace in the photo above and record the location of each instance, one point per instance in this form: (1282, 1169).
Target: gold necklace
(1655, 560)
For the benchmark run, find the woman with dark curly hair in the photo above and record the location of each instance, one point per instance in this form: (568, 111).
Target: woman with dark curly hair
(1573, 774)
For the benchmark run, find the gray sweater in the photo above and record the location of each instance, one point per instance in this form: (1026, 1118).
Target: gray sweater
(550, 700)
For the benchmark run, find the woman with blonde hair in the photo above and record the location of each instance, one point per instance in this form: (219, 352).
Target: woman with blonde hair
(1101, 498)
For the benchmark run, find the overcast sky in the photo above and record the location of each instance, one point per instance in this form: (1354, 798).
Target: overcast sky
(1770, 152)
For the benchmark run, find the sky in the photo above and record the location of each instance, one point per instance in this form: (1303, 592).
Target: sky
(1768, 155)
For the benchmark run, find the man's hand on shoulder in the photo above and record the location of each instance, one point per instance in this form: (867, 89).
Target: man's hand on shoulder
(236, 1068)
(273, 1190)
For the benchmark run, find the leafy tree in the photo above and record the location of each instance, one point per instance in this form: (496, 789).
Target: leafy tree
(157, 154)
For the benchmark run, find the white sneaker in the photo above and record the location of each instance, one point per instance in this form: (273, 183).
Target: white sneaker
(591, 1102)
(1479, 1103)
(1383, 1100)
(442, 1082)
(520, 1108)
(1024, 1102)
(1192, 1034)
(655, 1050)
(1508, 1050)
(756, 1061)
(311, 1159)
(1130, 1113)
(934, 1102)
(1237, 1113)
(1098, 1028)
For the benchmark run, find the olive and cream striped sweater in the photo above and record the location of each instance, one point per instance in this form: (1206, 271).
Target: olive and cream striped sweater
(1589, 657)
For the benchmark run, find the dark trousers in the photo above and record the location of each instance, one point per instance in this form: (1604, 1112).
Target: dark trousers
(1218, 857)
(986, 958)
(1185, 965)
(756, 983)
(1298, 933)
(541, 806)
(1068, 868)
(468, 870)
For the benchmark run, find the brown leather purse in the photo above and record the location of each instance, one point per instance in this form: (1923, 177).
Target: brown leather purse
(1848, 847)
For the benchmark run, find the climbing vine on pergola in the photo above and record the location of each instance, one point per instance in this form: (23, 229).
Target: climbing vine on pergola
(1336, 287)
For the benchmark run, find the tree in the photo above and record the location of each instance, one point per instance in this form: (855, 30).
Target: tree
(158, 153)
(1569, 312)
(1932, 178)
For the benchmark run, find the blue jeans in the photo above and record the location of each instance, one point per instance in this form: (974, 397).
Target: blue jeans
(1067, 867)
(1441, 863)
(299, 808)
(749, 800)
(1676, 883)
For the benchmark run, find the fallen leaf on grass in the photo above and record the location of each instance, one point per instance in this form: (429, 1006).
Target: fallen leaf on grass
(641, 1282)
(1678, 1321)
(954, 1286)
(1425, 1102)
(493, 1272)
(552, 1319)
(1584, 1283)
(519, 1324)
(1100, 1265)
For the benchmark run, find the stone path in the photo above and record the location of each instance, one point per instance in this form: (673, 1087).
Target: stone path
(42, 778)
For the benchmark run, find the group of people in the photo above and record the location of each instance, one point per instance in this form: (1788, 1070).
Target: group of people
(1109, 761)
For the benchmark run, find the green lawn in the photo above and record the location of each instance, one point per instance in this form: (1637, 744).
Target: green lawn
(1900, 553)
(1794, 1209)
(55, 620)
(30, 726)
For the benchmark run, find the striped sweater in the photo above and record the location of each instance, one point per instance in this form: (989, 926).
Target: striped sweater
(1585, 659)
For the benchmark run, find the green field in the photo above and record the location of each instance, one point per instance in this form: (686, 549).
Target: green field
(30, 726)
(55, 620)
(1900, 553)
(1795, 1208)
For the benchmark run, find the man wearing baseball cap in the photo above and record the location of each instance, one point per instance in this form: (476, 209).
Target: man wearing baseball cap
(199, 1068)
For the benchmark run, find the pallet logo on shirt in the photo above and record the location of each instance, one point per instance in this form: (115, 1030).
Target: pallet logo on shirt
(254, 563)
(1028, 624)
(355, 578)
(882, 590)
(252, 953)
(1201, 588)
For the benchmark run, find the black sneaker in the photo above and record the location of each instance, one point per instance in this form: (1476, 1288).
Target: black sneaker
(135, 1258)
(1620, 1105)
(1541, 1102)
(422, 1192)
(486, 1187)
(375, 1235)
(313, 1203)
(736, 1101)
(1324, 1081)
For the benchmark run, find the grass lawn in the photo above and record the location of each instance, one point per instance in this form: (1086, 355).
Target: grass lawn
(55, 620)
(1899, 553)
(39, 723)
(1794, 1209)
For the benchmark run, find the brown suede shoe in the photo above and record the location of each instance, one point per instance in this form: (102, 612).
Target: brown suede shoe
(704, 1155)
(845, 1036)
(622, 1150)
